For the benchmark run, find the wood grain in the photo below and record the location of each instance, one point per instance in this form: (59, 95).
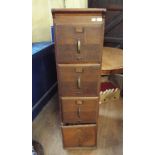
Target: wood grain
(78, 48)
(68, 77)
(90, 43)
(78, 11)
(79, 135)
(79, 109)
(112, 61)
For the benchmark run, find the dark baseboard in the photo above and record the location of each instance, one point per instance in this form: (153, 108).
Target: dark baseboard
(43, 100)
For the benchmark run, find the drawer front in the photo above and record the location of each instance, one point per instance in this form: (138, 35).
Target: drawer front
(79, 109)
(79, 80)
(79, 43)
(79, 136)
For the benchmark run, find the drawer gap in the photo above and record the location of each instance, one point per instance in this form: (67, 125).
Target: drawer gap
(69, 124)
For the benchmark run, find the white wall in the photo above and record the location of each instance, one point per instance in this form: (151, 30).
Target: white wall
(40, 21)
(76, 3)
(42, 18)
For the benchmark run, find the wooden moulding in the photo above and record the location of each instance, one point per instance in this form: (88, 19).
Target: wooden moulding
(78, 11)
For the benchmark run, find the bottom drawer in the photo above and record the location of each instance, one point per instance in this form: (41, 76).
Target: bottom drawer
(79, 135)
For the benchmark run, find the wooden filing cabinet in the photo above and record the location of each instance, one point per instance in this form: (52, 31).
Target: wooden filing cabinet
(79, 37)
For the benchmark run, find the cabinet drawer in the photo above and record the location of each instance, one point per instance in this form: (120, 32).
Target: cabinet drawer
(79, 43)
(79, 79)
(79, 135)
(79, 109)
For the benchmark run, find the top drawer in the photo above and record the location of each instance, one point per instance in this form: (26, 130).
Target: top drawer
(79, 43)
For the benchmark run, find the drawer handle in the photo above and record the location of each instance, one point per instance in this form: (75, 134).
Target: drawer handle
(78, 112)
(78, 46)
(79, 82)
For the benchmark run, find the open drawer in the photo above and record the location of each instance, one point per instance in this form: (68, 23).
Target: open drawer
(79, 135)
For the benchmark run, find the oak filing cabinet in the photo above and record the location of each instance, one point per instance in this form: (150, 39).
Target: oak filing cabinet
(79, 37)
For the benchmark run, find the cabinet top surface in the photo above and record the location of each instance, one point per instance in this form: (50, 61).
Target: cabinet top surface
(79, 10)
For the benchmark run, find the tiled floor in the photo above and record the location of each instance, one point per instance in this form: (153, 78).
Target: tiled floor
(46, 130)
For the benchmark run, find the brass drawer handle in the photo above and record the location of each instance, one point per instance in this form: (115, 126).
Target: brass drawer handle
(78, 112)
(79, 82)
(78, 46)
